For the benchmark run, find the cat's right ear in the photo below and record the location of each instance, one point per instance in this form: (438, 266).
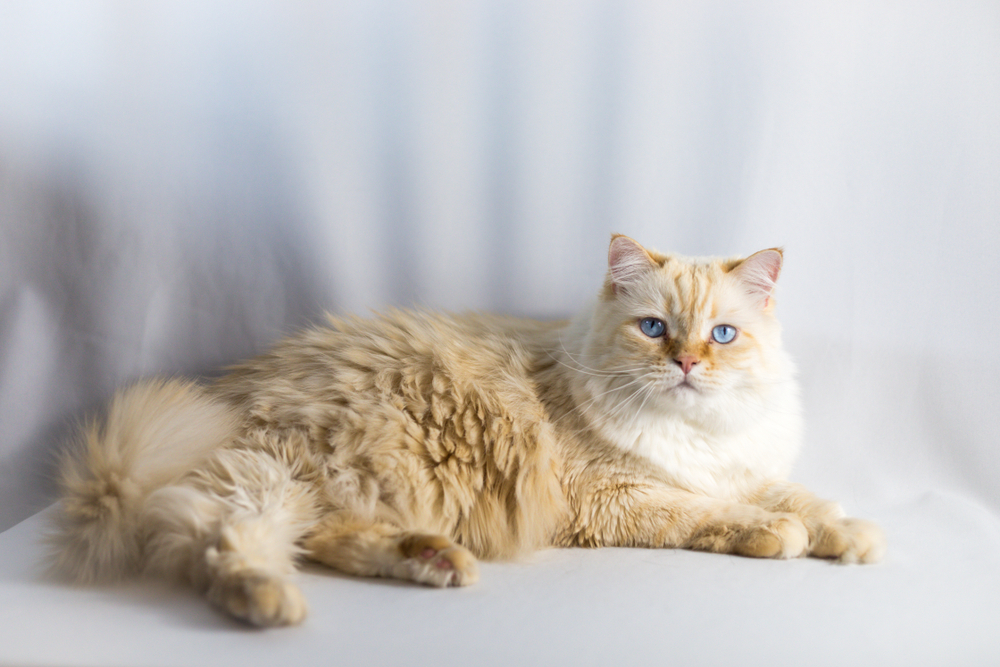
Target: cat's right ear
(627, 261)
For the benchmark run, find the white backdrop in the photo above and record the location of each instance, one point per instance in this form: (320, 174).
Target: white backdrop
(181, 182)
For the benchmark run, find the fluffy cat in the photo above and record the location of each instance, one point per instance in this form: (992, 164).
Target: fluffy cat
(408, 445)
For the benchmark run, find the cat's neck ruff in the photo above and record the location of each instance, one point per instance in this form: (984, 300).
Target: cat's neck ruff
(724, 464)
(730, 464)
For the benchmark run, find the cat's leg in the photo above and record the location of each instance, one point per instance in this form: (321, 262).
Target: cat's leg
(236, 543)
(249, 571)
(831, 534)
(620, 513)
(351, 544)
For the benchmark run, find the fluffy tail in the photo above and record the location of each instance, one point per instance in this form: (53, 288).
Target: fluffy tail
(154, 432)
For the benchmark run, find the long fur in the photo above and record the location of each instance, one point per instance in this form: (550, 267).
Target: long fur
(411, 444)
(153, 433)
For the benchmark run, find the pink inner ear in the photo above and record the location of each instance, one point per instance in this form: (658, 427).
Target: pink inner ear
(626, 260)
(759, 273)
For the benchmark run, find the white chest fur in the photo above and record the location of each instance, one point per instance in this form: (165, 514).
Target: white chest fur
(730, 465)
(726, 463)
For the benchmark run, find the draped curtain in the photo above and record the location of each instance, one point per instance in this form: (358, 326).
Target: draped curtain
(183, 182)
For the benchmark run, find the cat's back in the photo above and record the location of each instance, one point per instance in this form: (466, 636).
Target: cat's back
(423, 363)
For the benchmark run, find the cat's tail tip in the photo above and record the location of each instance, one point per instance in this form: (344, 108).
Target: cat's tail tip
(94, 535)
(154, 432)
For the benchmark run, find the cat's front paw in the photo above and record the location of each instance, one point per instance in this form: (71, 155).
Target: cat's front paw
(437, 561)
(849, 540)
(783, 537)
(759, 535)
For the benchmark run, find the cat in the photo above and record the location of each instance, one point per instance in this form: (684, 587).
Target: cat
(412, 444)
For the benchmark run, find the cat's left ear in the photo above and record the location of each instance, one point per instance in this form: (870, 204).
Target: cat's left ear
(758, 273)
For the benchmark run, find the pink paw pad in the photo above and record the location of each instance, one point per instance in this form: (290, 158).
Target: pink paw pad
(428, 553)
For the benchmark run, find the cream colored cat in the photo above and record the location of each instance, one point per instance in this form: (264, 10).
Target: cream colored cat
(409, 445)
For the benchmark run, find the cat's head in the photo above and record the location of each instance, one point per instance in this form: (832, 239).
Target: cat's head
(694, 337)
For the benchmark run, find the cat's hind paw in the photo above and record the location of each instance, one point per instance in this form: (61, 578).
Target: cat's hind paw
(849, 540)
(258, 598)
(436, 561)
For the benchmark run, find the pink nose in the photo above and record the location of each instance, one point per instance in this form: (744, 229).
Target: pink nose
(686, 362)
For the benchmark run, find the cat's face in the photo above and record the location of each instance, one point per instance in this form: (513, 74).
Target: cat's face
(696, 337)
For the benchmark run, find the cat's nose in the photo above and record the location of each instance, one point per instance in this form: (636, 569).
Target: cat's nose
(686, 362)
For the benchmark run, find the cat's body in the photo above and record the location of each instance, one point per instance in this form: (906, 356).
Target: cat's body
(664, 415)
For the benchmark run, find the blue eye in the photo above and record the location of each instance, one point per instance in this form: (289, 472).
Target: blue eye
(652, 327)
(724, 333)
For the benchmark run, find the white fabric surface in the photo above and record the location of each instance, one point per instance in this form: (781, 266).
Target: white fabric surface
(181, 182)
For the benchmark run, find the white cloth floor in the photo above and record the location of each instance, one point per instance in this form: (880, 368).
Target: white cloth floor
(934, 601)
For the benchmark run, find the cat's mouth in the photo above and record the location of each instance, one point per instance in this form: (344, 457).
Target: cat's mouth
(683, 386)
